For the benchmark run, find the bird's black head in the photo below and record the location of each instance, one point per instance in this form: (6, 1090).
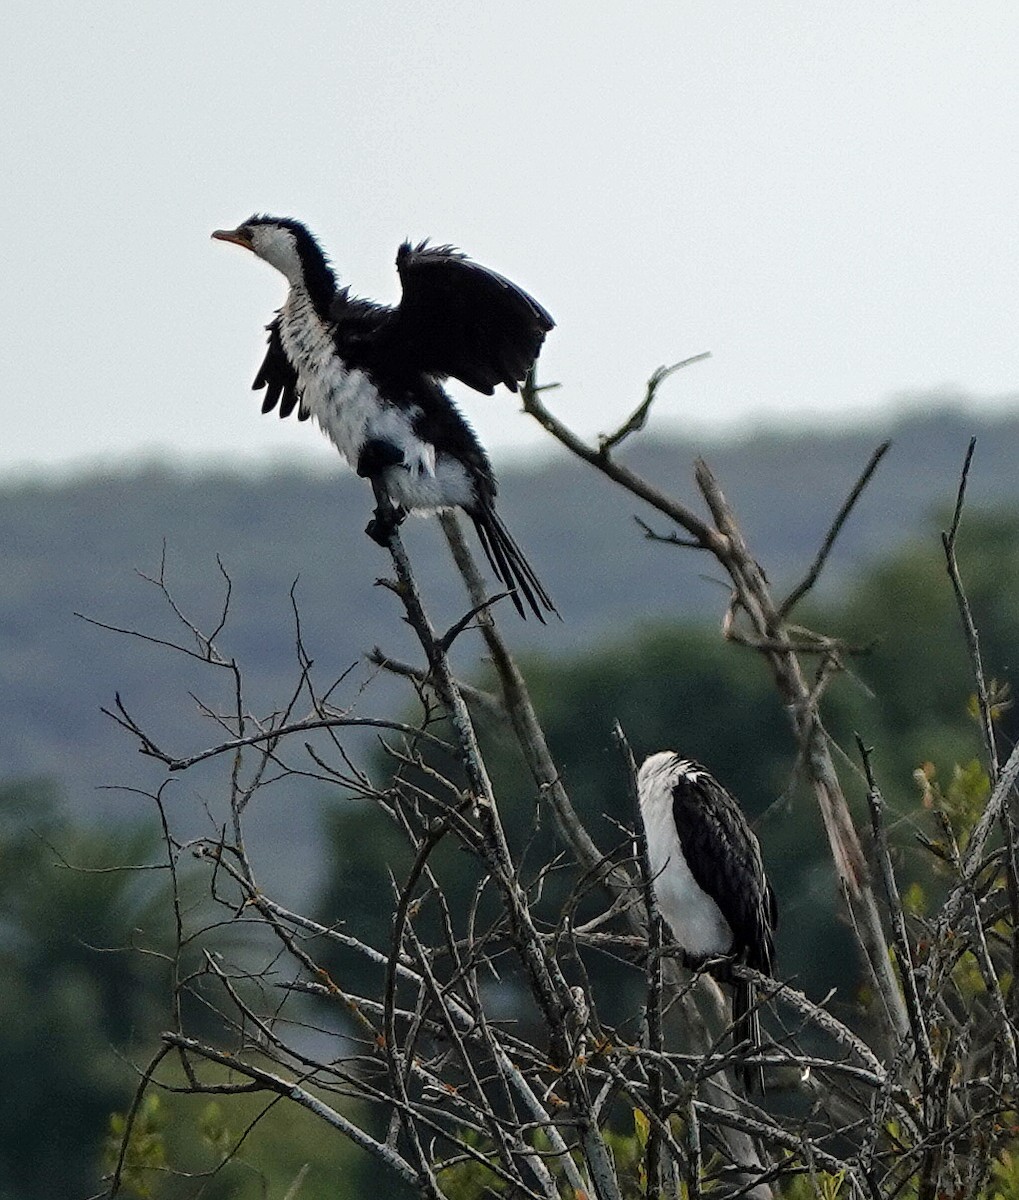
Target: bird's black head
(288, 246)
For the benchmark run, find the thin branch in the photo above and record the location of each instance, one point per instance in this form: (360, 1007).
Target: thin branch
(653, 1011)
(804, 586)
(903, 946)
(668, 539)
(449, 637)
(972, 860)
(491, 705)
(847, 854)
(403, 1108)
(683, 516)
(948, 540)
(132, 1114)
(271, 735)
(638, 418)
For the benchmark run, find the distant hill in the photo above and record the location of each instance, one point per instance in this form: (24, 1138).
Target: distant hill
(77, 547)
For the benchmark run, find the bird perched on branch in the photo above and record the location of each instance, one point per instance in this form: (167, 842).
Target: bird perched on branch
(708, 879)
(371, 376)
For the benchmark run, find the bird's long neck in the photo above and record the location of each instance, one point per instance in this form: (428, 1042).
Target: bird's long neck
(316, 280)
(306, 324)
(319, 283)
(296, 254)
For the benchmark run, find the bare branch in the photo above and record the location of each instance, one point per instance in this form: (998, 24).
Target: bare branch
(274, 735)
(653, 1011)
(683, 516)
(949, 540)
(408, 1014)
(483, 701)
(638, 418)
(817, 566)
(903, 947)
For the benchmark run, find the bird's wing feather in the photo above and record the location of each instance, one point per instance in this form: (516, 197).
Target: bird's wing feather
(278, 377)
(725, 859)
(459, 318)
(357, 326)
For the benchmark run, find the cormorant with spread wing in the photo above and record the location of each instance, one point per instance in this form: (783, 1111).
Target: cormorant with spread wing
(708, 878)
(371, 377)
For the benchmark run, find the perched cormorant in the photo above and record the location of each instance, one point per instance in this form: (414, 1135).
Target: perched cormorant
(708, 878)
(371, 376)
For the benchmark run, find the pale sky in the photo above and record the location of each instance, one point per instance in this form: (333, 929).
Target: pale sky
(824, 196)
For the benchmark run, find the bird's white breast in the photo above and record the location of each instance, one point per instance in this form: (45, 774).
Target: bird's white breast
(345, 403)
(695, 919)
(348, 408)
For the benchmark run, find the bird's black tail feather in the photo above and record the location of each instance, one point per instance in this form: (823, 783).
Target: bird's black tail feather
(746, 1030)
(510, 565)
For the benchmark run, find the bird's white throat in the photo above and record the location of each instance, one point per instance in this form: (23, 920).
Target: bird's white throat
(278, 247)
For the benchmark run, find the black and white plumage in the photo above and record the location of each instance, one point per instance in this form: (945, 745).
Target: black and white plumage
(371, 376)
(708, 877)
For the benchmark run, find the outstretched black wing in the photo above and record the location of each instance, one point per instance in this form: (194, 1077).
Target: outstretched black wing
(278, 378)
(461, 319)
(725, 859)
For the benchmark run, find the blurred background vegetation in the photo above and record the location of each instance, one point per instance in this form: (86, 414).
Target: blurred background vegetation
(83, 941)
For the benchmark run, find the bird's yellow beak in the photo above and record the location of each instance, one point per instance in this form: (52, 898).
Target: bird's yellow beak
(240, 237)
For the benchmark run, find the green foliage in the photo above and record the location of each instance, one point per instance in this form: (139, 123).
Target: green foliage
(628, 1154)
(243, 1147)
(962, 801)
(73, 987)
(214, 1131)
(1005, 1175)
(469, 1178)
(822, 1186)
(145, 1152)
(918, 673)
(914, 899)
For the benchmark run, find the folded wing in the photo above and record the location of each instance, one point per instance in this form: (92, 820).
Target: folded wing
(725, 859)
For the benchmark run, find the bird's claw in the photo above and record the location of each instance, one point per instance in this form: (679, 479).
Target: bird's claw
(380, 529)
(386, 519)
